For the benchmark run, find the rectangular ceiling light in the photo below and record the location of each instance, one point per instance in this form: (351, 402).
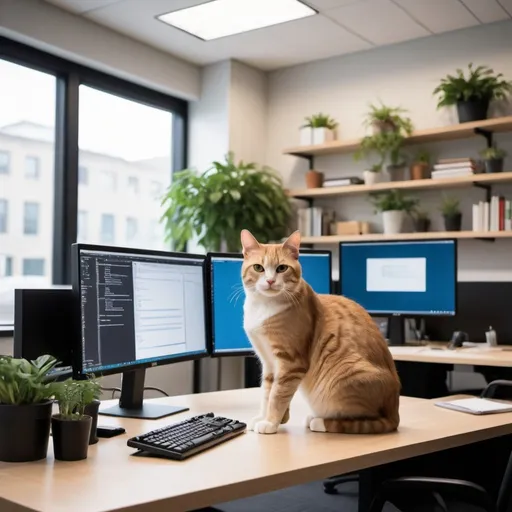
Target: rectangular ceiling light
(220, 18)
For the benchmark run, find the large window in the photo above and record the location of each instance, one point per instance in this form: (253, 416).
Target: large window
(80, 154)
(27, 142)
(126, 147)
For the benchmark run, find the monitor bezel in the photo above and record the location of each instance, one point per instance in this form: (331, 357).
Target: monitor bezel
(403, 315)
(76, 248)
(240, 256)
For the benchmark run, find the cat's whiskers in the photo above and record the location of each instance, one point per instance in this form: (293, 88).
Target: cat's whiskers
(236, 293)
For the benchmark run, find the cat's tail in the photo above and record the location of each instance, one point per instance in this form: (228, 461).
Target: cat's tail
(355, 426)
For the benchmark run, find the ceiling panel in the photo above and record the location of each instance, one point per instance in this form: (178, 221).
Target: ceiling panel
(507, 5)
(488, 11)
(322, 5)
(440, 15)
(268, 48)
(81, 6)
(387, 23)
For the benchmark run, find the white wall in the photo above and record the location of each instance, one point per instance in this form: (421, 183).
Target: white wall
(403, 74)
(49, 28)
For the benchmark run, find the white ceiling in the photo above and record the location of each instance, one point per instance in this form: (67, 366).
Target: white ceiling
(342, 26)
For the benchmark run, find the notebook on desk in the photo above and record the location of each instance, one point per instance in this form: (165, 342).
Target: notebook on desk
(476, 406)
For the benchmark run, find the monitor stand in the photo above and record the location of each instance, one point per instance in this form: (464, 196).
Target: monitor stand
(396, 331)
(131, 402)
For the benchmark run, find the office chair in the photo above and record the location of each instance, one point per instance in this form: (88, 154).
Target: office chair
(437, 491)
(332, 482)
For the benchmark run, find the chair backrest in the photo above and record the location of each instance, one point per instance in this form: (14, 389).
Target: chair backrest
(498, 389)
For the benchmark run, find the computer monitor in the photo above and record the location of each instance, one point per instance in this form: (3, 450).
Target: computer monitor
(137, 309)
(400, 279)
(227, 297)
(43, 324)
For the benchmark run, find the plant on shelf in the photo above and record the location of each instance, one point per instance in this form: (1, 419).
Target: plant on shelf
(420, 165)
(71, 428)
(318, 129)
(473, 93)
(450, 208)
(393, 205)
(25, 408)
(217, 204)
(421, 220)
(388, 119)
(493, 158)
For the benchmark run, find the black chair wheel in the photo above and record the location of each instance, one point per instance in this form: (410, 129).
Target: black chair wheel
(330, 488)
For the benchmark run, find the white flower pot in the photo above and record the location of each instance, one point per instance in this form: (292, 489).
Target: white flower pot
(393, 220)
(306, 136)
(322, 135)
(370, 178)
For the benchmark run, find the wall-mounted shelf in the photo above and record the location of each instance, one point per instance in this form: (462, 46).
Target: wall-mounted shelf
(434, 235)
(427, 184)
(444, 133)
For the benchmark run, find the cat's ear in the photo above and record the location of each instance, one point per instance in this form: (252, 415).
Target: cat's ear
(292, 243)
(249, 243)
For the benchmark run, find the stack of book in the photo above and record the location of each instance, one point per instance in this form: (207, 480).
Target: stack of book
(453, 168)
(342, 182)
(495, 215)
(315, 221)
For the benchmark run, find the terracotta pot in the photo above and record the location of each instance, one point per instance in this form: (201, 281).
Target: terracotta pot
(314, 179)
(419, 171)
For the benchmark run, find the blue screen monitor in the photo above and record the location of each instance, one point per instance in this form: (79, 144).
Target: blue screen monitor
(228, 337)
(400, 279)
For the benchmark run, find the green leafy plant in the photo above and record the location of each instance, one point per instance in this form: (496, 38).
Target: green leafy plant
(481, 83)
(320, 121)
(420, 214)
(375, 168)
(387, 145)
(393, 200)
(450, 207)
(493, 153)
(25, 382)
(422, 157)
(389, 118)
(74, 395)
(217, 204)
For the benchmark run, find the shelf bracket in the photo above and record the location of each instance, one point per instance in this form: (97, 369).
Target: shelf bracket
(488, 135)
(309, 158)
(486, 239)
(308, 199)
(487, 188)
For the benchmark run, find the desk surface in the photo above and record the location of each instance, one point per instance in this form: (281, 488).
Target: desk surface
(110, 479)
(437, 353)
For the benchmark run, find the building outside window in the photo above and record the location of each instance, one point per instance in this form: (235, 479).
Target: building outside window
(131, 228)
(156, 190)
(83, 175)
(4, 212)
(5, 159)
(82, 226)
(32, 167)
(33, 267)
(30, 218)
(108, 181)
(6, 264)
(107, 234)
(133, 184)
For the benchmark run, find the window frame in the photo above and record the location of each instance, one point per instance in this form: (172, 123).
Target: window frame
(37, 168)
(4, 216)
(8, 168)
(69, 76)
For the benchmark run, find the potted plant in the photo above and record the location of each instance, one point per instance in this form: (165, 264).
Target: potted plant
(450, 208)
(472, 93)
(92, 410)
(314, 179)
(420, 165)
(371, 175)
(318, 129)
(217, 204)
(421, 221)
(71, 428)
(388, 119)
(393, 205)
(493, 158)
(25, 408)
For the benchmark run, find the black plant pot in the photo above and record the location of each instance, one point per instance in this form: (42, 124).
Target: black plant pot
(92, 411)
(24, 431)
(472, 110)
(452, 222)
(494, 165)
(421, 225)
(71, 438)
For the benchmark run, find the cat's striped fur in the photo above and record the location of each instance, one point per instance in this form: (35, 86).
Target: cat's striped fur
(327, 345)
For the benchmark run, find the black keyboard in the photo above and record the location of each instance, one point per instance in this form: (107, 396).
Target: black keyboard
(186, 438)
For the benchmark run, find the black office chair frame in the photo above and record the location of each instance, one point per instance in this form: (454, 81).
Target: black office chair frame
(439, 489)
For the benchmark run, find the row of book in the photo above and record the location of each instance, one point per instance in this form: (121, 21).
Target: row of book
(315, 221)
(495, 215)
(454, 168)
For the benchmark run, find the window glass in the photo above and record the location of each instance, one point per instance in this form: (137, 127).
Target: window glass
(82, 226)
(33, 267)
(27, 129)
(126, 147)
(83, 175)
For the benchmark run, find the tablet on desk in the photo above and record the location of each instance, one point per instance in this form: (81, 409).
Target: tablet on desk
(476, 406)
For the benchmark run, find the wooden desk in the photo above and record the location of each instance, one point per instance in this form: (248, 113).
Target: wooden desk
(437, 353)
(111, 480)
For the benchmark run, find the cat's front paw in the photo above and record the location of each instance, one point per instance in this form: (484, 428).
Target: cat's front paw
(265, 427)
(252, 423)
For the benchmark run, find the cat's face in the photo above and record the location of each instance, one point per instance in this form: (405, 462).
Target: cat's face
(270, 270)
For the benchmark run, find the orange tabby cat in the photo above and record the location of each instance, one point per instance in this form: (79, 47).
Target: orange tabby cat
(326, 344)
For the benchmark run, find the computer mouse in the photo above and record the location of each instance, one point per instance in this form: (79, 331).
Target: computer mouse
(458, 338)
